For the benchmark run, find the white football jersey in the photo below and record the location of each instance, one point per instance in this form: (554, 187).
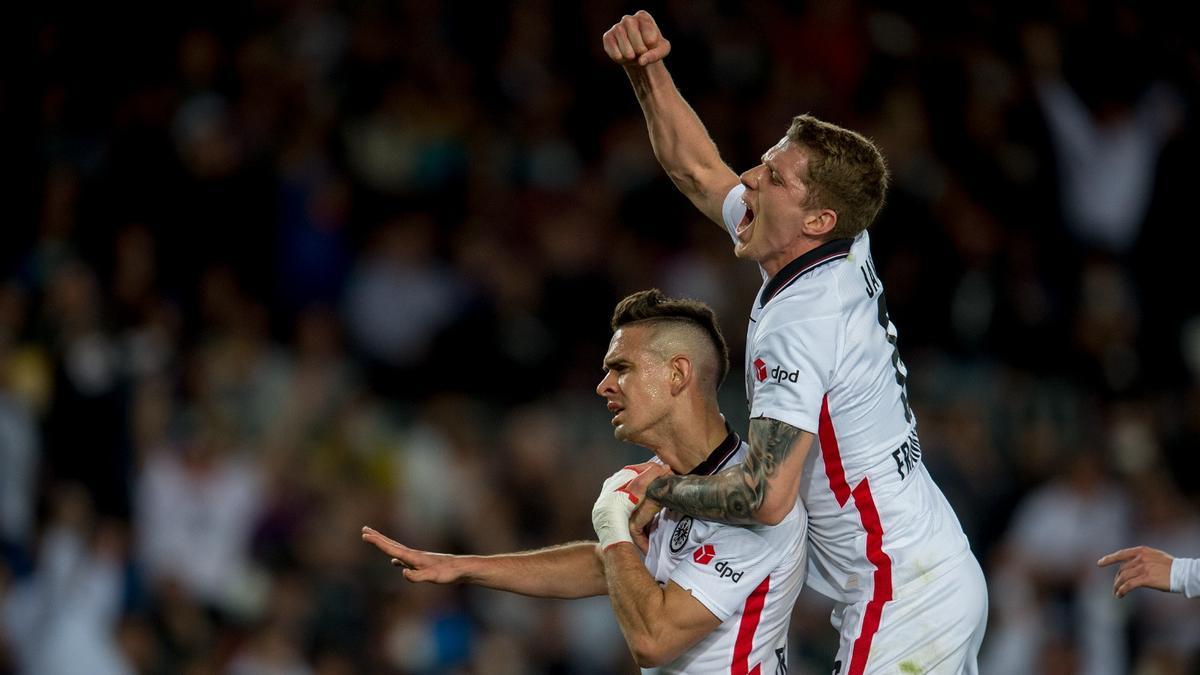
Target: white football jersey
(821, 356)
(748, 577)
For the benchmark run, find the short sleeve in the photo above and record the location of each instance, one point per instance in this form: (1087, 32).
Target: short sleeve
(793, 370)
(725, 568)
(733, 209)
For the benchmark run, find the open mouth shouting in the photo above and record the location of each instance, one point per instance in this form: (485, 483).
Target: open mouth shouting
(743, 228)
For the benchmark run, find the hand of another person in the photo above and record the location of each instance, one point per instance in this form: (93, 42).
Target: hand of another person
(618, 498)
(438, 568)
(641, 523)
(643, 515)
(635, 40)
(1141, 566)
(648, 472)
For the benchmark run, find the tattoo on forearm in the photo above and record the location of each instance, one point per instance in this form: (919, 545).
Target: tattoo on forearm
(735, 494)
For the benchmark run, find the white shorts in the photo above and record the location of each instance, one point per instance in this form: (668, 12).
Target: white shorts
(932, 627)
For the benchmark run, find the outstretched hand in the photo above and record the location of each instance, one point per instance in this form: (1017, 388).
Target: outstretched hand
(635, 40)
(438, 568)
(1141, 566)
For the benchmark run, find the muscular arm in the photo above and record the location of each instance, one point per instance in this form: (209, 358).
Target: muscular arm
(658, 623)
(761, 489)
(681, 143)
(565, 571)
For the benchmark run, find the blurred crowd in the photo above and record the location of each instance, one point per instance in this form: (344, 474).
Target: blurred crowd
(275, 270)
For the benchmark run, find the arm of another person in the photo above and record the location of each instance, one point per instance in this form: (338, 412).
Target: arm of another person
(566, 571)
(659, 623)
(680, 141)
(1145, 567)
(762, 489)
(784, 414)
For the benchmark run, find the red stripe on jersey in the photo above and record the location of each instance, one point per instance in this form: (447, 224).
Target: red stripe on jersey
(883, 576)
(869, 515)
(745, 637)
(833, 459)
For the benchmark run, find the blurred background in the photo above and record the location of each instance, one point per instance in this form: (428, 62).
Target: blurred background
(273, 270)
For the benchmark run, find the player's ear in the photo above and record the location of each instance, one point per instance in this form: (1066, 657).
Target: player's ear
(821, 224)
(681, 373)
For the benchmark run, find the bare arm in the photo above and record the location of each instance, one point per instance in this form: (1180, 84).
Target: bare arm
(658, 623)
(680, 141)
(761, 489)
(565, 571)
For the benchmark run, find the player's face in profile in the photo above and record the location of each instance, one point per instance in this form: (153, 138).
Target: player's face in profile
(774, 195)
(636, 383)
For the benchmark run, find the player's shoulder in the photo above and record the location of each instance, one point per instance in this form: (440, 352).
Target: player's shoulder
(800, 306)
(811, 285)
(794, 523)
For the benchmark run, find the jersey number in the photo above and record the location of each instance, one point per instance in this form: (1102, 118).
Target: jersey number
(875, 290)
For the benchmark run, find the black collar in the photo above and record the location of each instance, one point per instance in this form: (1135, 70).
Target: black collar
(717, 458)
(827, 252)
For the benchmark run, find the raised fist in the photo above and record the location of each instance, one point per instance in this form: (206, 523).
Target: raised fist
(635, 40)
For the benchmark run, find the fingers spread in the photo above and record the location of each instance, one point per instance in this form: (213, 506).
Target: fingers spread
(384, 544)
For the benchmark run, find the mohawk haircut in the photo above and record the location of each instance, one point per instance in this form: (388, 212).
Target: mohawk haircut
(652, 305)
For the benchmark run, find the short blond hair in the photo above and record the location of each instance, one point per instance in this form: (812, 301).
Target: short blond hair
(846, 173)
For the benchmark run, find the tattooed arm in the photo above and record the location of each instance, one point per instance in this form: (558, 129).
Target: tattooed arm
(761, 489)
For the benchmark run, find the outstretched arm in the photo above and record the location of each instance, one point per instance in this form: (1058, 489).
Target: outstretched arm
(1145, 567)
(566, 571)
(681, 143)
(762, 489)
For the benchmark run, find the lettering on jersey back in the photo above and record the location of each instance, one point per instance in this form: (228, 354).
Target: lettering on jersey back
(875, 290)
(908, 455)
(871, 279)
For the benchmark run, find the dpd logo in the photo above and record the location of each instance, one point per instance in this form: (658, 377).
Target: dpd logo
(705, 554)
(780, 375)
(727, 571)
(760, 370)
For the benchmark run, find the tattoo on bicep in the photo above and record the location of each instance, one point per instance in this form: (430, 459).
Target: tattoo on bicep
(735, 494)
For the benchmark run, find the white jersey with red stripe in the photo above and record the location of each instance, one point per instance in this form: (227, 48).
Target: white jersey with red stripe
(748, 577)
(821, 356)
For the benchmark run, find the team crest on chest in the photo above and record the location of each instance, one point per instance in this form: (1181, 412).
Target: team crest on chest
(679, 537)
